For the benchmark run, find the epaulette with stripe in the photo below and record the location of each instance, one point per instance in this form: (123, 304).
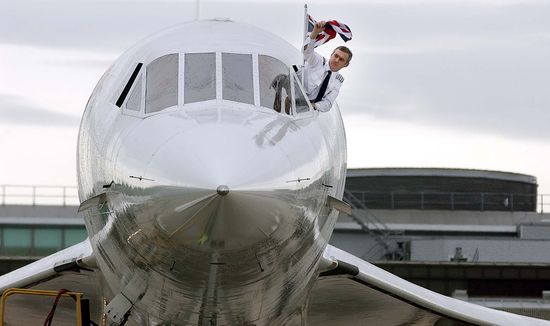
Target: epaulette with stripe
(340, 78)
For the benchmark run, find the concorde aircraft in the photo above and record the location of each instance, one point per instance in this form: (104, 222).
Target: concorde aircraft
(209, 188)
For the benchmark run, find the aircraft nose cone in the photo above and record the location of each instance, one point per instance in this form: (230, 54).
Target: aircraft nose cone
(235, 193)
(222, 190)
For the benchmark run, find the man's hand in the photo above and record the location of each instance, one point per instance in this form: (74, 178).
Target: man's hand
(319, 26)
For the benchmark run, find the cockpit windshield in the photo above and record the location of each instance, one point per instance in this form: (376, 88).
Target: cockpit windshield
(253, 79)
(237, 78)
(200, 77)
(162, 83)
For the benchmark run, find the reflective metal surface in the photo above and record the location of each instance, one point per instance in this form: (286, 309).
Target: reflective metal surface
(221, 207)
(222, 190)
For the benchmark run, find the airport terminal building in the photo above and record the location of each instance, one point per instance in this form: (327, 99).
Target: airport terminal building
(481, 236)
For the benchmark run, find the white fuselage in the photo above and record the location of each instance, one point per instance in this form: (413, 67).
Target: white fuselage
(217, 208)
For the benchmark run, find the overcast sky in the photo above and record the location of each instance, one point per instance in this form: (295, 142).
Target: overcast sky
(461, 84)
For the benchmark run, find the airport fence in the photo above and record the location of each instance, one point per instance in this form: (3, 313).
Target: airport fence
(38, 195)
(484, 201)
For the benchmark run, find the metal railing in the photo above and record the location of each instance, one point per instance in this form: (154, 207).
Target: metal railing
(68, 195)
(376, 228)
(482, 201)
(77, 296)
(38, 195)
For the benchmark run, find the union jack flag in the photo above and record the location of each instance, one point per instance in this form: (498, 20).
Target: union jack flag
(332, 27)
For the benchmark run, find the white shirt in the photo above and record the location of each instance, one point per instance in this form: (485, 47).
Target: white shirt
(316, 68)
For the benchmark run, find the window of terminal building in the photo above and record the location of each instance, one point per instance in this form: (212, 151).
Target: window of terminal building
(199, 77)
(275, 89)
(237, 78)
(162, 83)
(73, 236)
(16, 241)
(38, 240)
(47, 241)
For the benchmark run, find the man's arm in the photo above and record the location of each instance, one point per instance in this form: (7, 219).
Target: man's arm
(311, 57)
(326, 103)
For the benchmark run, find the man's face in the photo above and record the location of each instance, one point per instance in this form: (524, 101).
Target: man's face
(338, 60)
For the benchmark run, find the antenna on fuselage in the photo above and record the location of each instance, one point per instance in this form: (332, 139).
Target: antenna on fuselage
(198, 10)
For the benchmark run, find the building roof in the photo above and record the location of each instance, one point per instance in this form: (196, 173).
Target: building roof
(442, 172)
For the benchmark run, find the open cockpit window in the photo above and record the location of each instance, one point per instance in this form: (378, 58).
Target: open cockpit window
(162, 83)
(302, 102)
(237, 78)
(275, 92)
(199, 77)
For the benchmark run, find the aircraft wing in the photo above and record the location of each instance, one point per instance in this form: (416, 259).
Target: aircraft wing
(71, 268)
(359, 293)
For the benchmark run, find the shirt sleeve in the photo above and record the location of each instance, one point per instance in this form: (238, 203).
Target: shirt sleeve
(312, 58)
(326, 103)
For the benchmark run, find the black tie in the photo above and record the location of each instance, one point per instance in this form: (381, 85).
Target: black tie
(323, 88)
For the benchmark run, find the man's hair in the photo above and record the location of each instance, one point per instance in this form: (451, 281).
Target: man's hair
(344, 49)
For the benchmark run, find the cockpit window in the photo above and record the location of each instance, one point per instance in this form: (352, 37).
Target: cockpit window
(162, 83)
(128, 86)
(134, 101)
(199, 77)
(241, 78)
(237, 78)
(302, 104)
(275, 90)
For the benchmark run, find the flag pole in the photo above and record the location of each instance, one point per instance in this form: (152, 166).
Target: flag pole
(305, 40)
